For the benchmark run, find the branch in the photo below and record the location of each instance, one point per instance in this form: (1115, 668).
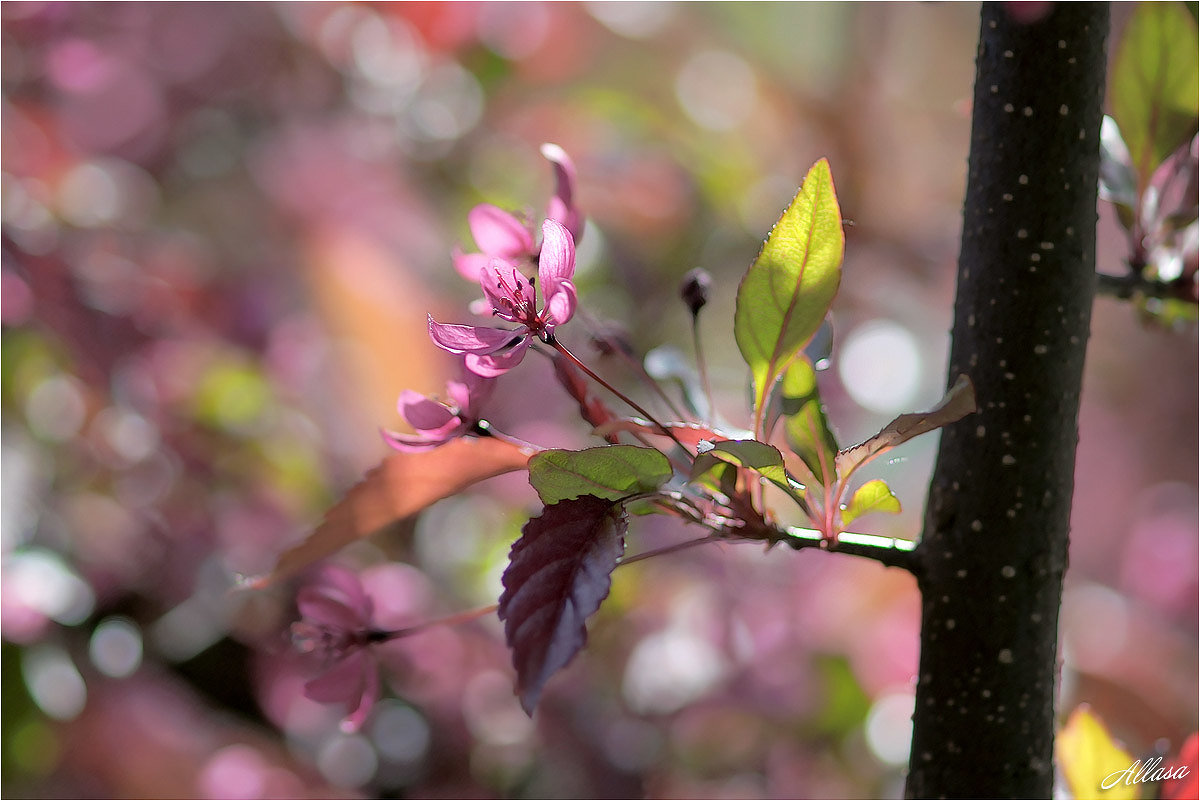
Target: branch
(1124, 287)
(888, 551)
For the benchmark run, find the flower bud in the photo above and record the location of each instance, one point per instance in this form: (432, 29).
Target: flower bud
(694, 289)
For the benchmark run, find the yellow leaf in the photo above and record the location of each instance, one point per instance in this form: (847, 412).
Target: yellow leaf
(1091, 759)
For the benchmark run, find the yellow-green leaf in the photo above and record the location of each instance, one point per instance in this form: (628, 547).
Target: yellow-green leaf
(874, 496)
(1091, 760)
(764, 459)
(804, 423)
(785, 294)
(1155, 82)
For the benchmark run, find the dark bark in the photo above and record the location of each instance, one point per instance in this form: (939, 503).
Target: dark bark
(991, 562)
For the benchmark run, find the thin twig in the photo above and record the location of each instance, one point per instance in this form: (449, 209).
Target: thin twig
(679, 546)
(1124, 287)
(885, 550)
(561, 348)
(702, 366)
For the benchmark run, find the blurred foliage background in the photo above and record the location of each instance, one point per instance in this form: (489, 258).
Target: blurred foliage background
(222, 228)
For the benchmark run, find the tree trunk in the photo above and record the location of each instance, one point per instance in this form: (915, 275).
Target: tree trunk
(994, 550)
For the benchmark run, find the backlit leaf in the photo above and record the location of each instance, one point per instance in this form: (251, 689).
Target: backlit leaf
(785, 294)
(608, 471)
(401, 485)
(874, 496)
(1118, 184)
(957, 404)
(764, 459)
(1155, 82)
(1091, 759)
(557, 576)
(804, 423)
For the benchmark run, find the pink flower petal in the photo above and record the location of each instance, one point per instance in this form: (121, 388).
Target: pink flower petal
(557, 260)
(469, 338)
(423, 413)
(328, 610)
(341, 684)
(562, 206)
(366, 702)
(335, 599)
(409, 443)
(498, 233)
(469, 265)
(495, 364)
(506, 289)
(470, 394)
(560, 306)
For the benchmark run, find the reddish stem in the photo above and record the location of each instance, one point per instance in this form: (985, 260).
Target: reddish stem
(561, 348)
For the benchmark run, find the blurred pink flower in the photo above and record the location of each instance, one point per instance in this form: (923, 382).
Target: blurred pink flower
(336, 626)
(436, 422)
(493, 351)
(502, 236)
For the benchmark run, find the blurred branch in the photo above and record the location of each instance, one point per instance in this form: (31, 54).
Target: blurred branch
(1124, 287)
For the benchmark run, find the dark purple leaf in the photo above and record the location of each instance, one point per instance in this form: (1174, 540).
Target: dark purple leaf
(558, 574)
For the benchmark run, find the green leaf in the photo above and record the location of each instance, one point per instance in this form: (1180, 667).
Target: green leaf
(611, 472)
(785, 294)
(764, 459)
(874, 496)
(805, 425)
(1155, 82)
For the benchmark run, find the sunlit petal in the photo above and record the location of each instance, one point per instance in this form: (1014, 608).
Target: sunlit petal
(409, 443)
(470, 394)
(557, 261)
(468, 338)
(498, 233)
(469, 265)
(562, 205)
(560, 306)
(492, 365)
(423, 413)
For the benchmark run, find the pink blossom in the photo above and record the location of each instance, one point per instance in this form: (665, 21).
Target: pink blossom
(562, 206)
(336, 626)
(499, 235)
(493, 351)
(437, 422)
(502, 236)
